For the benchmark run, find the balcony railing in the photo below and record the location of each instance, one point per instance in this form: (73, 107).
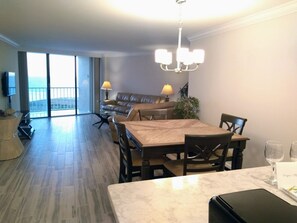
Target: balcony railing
(62, 98)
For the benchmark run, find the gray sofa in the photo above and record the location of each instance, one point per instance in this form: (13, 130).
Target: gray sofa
(125, 101)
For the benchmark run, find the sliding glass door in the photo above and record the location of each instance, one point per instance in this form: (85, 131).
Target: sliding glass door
(62, 85)
(38, 87)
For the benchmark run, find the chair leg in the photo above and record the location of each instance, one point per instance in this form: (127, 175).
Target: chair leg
(121, 172)
(129, 176)
(228, 167)
(152, 173)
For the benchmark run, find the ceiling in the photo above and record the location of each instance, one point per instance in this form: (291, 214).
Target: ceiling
(113, 27)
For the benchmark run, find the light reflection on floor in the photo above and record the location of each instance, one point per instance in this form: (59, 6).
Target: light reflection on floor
(53, 113)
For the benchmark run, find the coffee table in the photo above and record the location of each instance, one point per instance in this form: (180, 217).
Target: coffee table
(103, 115)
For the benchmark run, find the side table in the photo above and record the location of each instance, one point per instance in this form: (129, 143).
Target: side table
(10, 145)
(103, 115)
(25, 129)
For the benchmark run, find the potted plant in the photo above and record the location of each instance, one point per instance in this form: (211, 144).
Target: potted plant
(187, 108)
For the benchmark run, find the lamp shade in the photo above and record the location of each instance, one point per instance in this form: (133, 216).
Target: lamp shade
(198, 56)
(167, 90)
(163, 56)
(106, 85)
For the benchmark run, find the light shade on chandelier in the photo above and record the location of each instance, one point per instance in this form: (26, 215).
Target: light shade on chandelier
(185, 60)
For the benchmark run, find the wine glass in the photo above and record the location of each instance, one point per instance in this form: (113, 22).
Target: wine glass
(273, 153)
(293, 151)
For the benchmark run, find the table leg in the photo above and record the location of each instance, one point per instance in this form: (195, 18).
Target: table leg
(101, 123)
(145, 170)
(237, 155)
(97, 122)
(102, 120)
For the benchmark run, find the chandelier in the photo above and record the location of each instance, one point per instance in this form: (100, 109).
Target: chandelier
(185, 60)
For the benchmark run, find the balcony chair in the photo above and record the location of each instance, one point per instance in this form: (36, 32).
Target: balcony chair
(203, 153)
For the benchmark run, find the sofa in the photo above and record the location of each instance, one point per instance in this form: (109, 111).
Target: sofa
(124, 102)
(133, 114)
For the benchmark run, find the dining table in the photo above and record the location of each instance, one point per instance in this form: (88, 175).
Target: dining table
(158, 137)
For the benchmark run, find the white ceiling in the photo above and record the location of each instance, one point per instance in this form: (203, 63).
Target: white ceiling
(98, 27)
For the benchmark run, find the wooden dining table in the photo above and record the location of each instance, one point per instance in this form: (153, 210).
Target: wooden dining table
(156, 137)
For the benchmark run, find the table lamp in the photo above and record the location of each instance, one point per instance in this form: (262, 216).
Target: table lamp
(107, 87)
(167, 90)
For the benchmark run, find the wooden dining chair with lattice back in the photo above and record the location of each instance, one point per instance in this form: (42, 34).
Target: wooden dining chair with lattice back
(202, 153)
(233, 124)
(154, 114)
(130, 159)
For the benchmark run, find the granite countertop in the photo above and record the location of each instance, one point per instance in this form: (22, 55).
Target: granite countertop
(183, 199)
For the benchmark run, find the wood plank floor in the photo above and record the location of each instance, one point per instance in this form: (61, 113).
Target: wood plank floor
(63, 174)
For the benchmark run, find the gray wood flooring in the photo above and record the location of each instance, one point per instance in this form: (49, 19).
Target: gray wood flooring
(63, 174)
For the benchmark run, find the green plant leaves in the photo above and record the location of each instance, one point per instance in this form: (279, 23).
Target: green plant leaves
(187, 108)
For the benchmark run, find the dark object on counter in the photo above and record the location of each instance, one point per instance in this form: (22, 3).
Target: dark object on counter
(254, 206)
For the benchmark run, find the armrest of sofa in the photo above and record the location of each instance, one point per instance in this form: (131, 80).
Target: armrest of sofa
(109, 102)
(119, 118)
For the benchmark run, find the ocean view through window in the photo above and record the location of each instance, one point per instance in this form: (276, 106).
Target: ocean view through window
(55, 85)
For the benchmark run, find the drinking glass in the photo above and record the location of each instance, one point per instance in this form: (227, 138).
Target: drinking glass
(273, 153)
(293, 151)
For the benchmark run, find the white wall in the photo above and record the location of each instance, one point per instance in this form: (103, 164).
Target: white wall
(9, 62)
(252, 72)
(140, 74)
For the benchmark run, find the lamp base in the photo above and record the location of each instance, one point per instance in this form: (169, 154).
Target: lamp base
(166, 98)
(106, 94)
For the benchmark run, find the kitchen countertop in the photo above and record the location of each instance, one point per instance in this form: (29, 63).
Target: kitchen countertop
(183, 199)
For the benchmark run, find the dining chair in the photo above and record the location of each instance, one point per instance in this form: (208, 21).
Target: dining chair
(201, 155)
(130, 159)
(233, 124)
(154, 114)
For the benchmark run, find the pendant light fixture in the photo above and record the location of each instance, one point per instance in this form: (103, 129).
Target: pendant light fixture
(185, 60)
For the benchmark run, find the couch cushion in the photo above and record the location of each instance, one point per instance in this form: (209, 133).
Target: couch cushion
(116, 108)
(130, 104)
(108, 107)
(135, 98)
(150, 99)
(121, 109)
(121, 96)
(123, 103)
